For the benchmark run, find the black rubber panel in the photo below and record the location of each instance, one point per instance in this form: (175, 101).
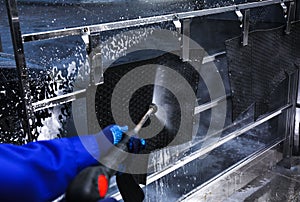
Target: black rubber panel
(142, 98)
(257, 69)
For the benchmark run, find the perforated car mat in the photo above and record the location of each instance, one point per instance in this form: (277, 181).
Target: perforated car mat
(143, 97)
(257, 69)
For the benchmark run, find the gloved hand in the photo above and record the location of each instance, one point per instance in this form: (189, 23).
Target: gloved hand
(135, 145)
(114, 133)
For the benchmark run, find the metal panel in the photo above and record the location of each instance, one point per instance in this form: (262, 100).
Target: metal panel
(229, 181)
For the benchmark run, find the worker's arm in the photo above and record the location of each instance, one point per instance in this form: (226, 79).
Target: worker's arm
(41, 171)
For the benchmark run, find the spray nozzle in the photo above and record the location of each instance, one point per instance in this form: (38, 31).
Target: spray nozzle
(153, 107)
(152, 110)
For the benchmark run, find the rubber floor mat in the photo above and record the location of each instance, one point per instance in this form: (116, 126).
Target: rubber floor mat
(141, 97)
(256, 70)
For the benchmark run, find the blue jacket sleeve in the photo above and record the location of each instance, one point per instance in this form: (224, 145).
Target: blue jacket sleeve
(41, 171)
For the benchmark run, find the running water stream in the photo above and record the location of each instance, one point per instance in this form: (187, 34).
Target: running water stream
(159, 97)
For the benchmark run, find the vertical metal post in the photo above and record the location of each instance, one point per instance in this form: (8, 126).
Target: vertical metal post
(186, 31)
(290, 17)
(1, 49)
(94, 55)
(183, 28)
(290, 115)
(246, 25)
(24, 88)
(296, 148)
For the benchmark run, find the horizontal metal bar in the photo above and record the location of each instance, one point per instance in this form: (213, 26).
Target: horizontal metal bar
(224, 9)
(53, 34)
(155, 176)
(142, 21)
(96, 28)
(62, 99)
(209, 105)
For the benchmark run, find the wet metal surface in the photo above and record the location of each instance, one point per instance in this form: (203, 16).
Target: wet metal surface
(278, 184)
(226, 185)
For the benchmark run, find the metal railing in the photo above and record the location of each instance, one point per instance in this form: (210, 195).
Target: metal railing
(143, 21)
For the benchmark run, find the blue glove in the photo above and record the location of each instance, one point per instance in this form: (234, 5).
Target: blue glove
(135, 145)
(114, 133)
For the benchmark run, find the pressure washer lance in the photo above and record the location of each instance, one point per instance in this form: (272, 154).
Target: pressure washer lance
(115, 156)
(83, 186)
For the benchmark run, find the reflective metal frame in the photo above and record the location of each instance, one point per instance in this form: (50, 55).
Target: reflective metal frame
(92, 31)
